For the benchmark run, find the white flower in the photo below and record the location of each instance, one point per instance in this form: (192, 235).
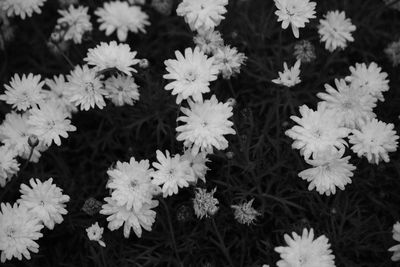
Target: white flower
(9, 166)
(122, 90)
(228, 60)
(59, 93)
(396, 236)
(336, 30)
(22, 8)
(295, 13)
(120, 215)
(305, 251)
(244, 213)
(205, 125)
(202, 15)
(123, 18)
(85, 88)
(171, 173)
(45, 200)
(374, 140)
(204, 203)
(78, 22)
(191, 74)
(208, 41)
(317, 130)
(330, 170)
(23, 93)
(370, 79)
(350, 103)
(95, 233)
(289, 77)
(197, 163)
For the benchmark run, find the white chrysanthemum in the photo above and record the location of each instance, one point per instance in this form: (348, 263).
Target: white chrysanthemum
(9, 166)
(59, 93)
(336, 30)
(19, 230)
(244, 213)
(191, 74)
(396, 236)
(130, 183)
(197, 163)
(78, 21)
(171, 173)
(228, 60)
(204, 203)
(305, 251)
(205, 125)
(289, 77)
(23, 93)
(330, 170)
(374, 140)
(202, 15)
(120, 215)
(121, 17)
(108, 56)
(295, 13)
(370, 79)
(317, 130)
(95, 233)
(350, 103)
(45, 200)
(209, 41)
(122, 90)
(85, 88)
(22, 8)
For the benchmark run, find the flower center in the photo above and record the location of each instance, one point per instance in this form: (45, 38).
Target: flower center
(190, 76)
(89, 87)
(10, 231)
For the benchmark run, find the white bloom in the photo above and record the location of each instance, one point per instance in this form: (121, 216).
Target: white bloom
(295, 13)
(209, 41)
(78, 22)
(23, 93)
(59, 93)
(22, 8)
(205, 125)
(202, 15)
(228, 60)
(107, 56)
(95, 233)
(120, 215)
(305, 251)
(396, 236)
(9, 166)
(244, 213)
(204, 203)
(350, 103)
(370, 79)
(317, 130)
(374, 140)
(197, 163)
(18, 232)
(45, 200)
(122, 90)
(336, 30)
(289, 77)
(191, 74)
(123, 18)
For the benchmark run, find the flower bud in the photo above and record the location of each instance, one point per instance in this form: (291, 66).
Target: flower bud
(144, 63)
(33, 141)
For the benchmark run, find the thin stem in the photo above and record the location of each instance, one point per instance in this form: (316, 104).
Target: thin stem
(222, 243)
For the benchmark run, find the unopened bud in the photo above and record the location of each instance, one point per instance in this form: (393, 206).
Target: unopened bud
(33, 140)
(230, 154)
(91, 206)
(144, 63)
(231, 102)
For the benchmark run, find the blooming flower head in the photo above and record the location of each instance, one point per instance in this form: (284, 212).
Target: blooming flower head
(19, 231)
(191, 74)
(197, 163)
(59, 93)
(209, 41)
(205, 125)
(22, 8)
(245, 213)
(122, 90)
(95, 233)
(289, 77)
(204, 203)
(23, 93)
(228, 60)
(121, 17)
(304, 51)
(78, 22)
(374, 140)
(8, 165)
(336, 30)
(396, 236)
(392, 51)
(295, 13)
(305, 251)
(202, 15)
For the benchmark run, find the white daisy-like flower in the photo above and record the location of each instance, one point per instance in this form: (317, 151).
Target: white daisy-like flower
(197, 163)
(396, 236)
(209, 41)
(120, 215)
(95, 233)
(289, 77)
(191, 74)
(85, 88)
(205, 125)
(122, 90)
(23, 93)
(45, 200)
(9, 166)
(204, 203)
(121, 17)
(202, 15)
(59, 93)
(350, 103)
(228, 60)
(374, 140)
(22, 8)
(306, 251)
(244, 213)
(317, 130)
(295, 13)
(19, 231)
(78, 21)
(370, 79)
(336, 30)
(113, 55)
